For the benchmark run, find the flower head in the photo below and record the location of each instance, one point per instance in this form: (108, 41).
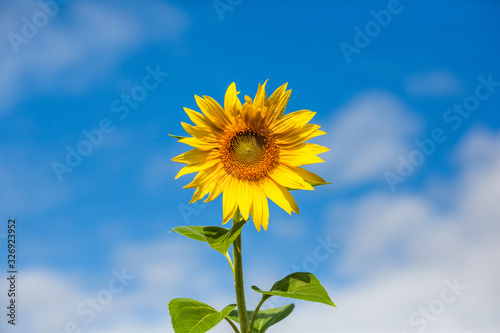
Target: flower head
(250, 152)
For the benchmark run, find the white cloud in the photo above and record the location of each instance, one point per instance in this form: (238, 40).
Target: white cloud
(479, 187)
(79, 45)
(434, 84)
(401, 249)
(159, 271)
(365, 135)
(42, 300)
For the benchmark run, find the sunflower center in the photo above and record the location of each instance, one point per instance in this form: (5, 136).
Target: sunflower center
(249, 153)
(248, 149)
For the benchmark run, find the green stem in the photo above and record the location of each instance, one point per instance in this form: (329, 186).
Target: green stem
(232, 325)
(238, 278)
(250, 327)
(230, 262)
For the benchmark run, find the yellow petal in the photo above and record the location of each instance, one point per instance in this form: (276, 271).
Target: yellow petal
(277, 94)
(302, 154)
(277, 108)
(200, 132)
(212, 113)
(247, 110)
(196, 167)
(274, 191)
(200, 120)
(195, 156)
(206, 176)
(200, 192)
(260, 209)
(260, 106)
(220, 185)
(229, 200)
(257, 208)
(197, 143)
(280, 195)
(316, 133)
(260, 101)
(215, 106)
(196, 117)
(284, 176)
(308, 148)
(279, 100)
(232, 103)
(298, 160)
(294, 120)
(290, 199)
(244, 199)
(230, 97)
(298, 136)
(308, 176)
(265, 213)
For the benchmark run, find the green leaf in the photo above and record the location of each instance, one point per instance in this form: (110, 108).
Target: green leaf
(299, 285)
(194, 232)
(219, 238)
(178, 137)
(265, 318)
(192, 316)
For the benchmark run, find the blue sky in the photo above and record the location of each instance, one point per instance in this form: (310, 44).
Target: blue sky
(395, 246)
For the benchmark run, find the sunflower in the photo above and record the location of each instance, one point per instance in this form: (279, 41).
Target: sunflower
(250, 153)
